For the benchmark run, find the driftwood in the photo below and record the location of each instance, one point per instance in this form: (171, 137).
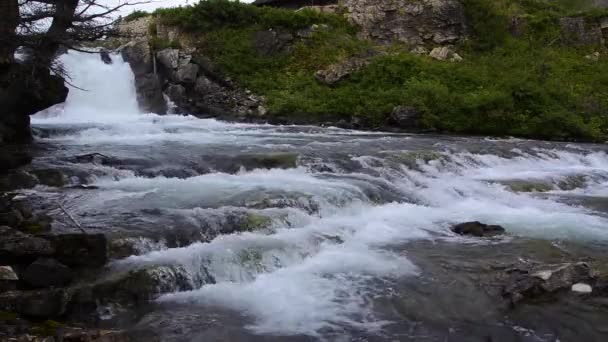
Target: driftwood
(71, 218)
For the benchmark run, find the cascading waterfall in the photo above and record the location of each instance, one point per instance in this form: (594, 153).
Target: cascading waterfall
(327, 226)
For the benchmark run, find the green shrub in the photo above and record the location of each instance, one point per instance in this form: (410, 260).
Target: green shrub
(136, 15)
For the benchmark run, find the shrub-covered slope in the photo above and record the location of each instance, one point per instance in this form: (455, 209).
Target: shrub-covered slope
(520, 76)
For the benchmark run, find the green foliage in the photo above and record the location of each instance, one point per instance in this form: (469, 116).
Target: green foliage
(136, 15)
(157, 43)
(528, 85)
(210, 15)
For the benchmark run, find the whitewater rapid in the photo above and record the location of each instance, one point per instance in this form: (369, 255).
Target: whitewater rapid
(336, 218)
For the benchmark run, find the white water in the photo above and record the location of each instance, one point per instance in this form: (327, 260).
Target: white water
(312, 271)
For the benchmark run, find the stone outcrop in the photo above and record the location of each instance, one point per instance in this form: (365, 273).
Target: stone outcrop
(577, 31)
(433, 22)
(337, 72)
(25, 90)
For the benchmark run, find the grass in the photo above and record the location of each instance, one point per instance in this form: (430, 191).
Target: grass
(528, 85)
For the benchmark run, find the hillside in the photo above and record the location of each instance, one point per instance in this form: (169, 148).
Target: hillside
(519, 68)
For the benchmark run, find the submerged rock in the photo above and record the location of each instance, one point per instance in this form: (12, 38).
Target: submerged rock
(545, 280)
(478, 229)
(46, 272)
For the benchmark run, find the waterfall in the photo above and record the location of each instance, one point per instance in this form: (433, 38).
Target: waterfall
(99, 92)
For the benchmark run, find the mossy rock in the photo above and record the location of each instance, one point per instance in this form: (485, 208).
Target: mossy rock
(255, 222)
(7, 316)
(50, 177)
(47, 328)
(529, 187)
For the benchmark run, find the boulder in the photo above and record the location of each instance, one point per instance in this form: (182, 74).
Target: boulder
(8, 279)
(477, 229)
(440, 53)
(150, 94)
(187, 73)
(42, 304)
(105, 57)
(412, 22)
(168, 58)
(11, 218)
(270, 42)
(80, 250)
(337, 72)
(545, 280)
(46, 272)
(17, 179)
(17, 247)
(51, 177)
(405, 117)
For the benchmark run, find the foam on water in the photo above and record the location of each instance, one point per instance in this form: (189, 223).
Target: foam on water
(312, 271)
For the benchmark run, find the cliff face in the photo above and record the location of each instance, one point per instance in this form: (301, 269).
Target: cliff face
(425, 22)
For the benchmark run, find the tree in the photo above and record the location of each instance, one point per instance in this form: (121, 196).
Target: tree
(43, 26)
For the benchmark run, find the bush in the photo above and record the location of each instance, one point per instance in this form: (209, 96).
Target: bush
(136, 15)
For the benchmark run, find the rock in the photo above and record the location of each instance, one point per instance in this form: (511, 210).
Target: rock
(545, 280)
(80, 250)
(105, 57)
(405, 117)
(456, 58)
(79, 335)
(187, 73)
(25, 90)
(11, 218)
(50, 177)
(46, 272)
(168, 58)
(177, 93)
(17, 179)
(411, 22)
(440, 53)
(8, 279)
(420, 50)
(17, 247)
(149, 94)
(576, 31)
(581, 288)
(477, 229)
(266, 161)
(270, 42)
(13, 157)
(337, 72)
(42, 304)
(594, 57)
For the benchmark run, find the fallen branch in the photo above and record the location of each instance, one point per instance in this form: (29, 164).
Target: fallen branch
(71, 218)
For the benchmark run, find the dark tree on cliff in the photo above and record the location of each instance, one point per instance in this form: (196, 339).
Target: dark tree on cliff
(43, 26)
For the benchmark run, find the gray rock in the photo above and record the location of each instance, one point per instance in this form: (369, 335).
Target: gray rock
(440, 53)
(11, 218)
(168, 58)
(149, 94)
(187, 73)
(271, 42)
(80, 250)
(138, 55)
(46, 272)
(8, 279)
(105, 57)
(548, 279)
(576, 31)
(41, 304)
(205, 86)
(477, 229)
(17, 247)
(405, 117)
(338, 72)
(51, 177)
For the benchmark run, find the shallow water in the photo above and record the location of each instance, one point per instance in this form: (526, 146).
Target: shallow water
(353, 238)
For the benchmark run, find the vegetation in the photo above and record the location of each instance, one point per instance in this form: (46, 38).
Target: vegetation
(136, 15)
(527, 84)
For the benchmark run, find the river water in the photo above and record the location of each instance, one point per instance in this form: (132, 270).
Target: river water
(340, 235)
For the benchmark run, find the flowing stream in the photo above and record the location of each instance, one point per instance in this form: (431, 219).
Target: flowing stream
(315, 233)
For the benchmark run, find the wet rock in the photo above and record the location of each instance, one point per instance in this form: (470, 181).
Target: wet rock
(266, 161)
(46, 272)
(80, 250)
(168, 58)
(40, 304)
(11, 158)
(17, 247)
(477, 229)
(8, 279)
(405, 117)
(11, 218)
(17, 180)
(187, 74)
(80, 335)
(338, 72)
(544, 280)
(270, 42)
(105, 57)
(51, 177)
(149, 94)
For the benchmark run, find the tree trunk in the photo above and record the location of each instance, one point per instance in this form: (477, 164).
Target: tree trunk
(9, 11)
(62, 21)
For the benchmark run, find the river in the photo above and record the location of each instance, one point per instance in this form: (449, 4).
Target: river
(340, 235)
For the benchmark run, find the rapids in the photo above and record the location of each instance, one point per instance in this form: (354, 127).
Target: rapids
(342, 234)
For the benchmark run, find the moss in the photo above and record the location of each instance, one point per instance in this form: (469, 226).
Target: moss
(6, 316)
(256, 222)
(47, 328)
